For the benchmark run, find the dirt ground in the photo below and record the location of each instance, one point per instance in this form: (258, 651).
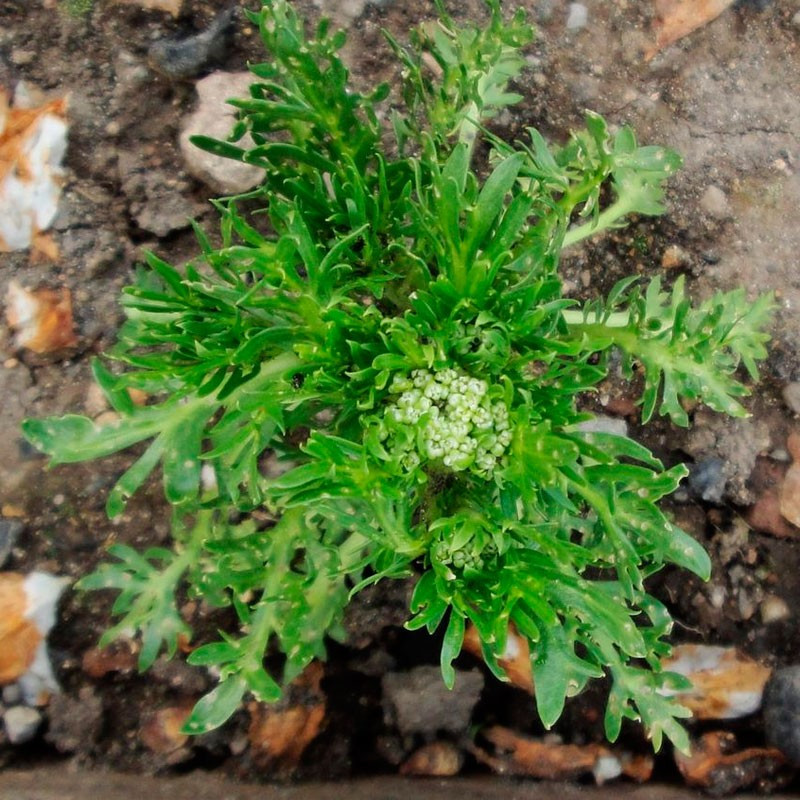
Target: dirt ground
(725, 97)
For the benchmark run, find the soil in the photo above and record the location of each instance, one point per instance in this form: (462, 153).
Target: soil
(724, 97)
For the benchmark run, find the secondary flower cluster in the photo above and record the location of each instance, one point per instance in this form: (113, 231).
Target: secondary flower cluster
(447, 415)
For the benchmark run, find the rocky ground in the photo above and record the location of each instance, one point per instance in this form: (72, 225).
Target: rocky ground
(724, 96)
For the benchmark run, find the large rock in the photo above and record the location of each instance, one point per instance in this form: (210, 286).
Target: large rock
(214, 117)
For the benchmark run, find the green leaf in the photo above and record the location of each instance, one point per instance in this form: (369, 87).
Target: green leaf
(451, 647)
(217, 707)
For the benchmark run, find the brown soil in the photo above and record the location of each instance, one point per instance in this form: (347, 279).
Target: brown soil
(725, 98)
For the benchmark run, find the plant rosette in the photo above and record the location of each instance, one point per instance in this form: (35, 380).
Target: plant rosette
(379, 354)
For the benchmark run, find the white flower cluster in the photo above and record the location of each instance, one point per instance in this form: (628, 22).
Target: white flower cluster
(455, 418)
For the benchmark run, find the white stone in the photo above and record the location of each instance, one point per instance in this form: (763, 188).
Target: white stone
(604, 424)
(21, 723)
(214, 117)
(715, 203)
(578, 16)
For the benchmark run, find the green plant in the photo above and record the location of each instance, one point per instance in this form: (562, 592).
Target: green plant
(380, 355)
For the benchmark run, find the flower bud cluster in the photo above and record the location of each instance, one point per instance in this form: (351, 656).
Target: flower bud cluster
(453, 417)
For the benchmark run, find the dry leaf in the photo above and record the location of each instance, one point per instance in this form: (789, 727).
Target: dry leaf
(725, 683)
(41, 319)
(33, 142)
(678, 18)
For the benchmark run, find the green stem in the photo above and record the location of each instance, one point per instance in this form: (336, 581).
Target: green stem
(595, 323)
(606, 219)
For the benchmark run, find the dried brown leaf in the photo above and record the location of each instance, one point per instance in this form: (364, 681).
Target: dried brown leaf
(678, 18)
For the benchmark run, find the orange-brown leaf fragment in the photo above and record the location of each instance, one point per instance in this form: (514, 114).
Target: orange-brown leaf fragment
(678, 18)
(516, 661)
(516, 754)
(716, 764)
(41, 319)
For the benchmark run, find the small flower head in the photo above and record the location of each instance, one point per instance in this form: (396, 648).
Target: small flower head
(447, 416)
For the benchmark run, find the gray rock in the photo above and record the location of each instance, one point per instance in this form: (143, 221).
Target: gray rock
(12, 694)
(737, 442)
(715, 203)
(10, 529)
(75, 722)
(184, 58)
(213, 117)
(15, 384)
(781, 709)
(158, 201)
(21, 723)
(796, 20)
(418, 701)
(707, 480)
(578, 16)
(791, 396)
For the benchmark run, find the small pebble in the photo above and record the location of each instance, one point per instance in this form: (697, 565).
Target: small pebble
(21, 57)
(781, 455)
(674, 257)
(774, 609)
(796, 20)
(10, 529)
(707, 479)
(604, 424)
(578, 16)
(179, 59)
(715, 203)
(21, 723)
(781, 709)
(791, 396)
(12, 694)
